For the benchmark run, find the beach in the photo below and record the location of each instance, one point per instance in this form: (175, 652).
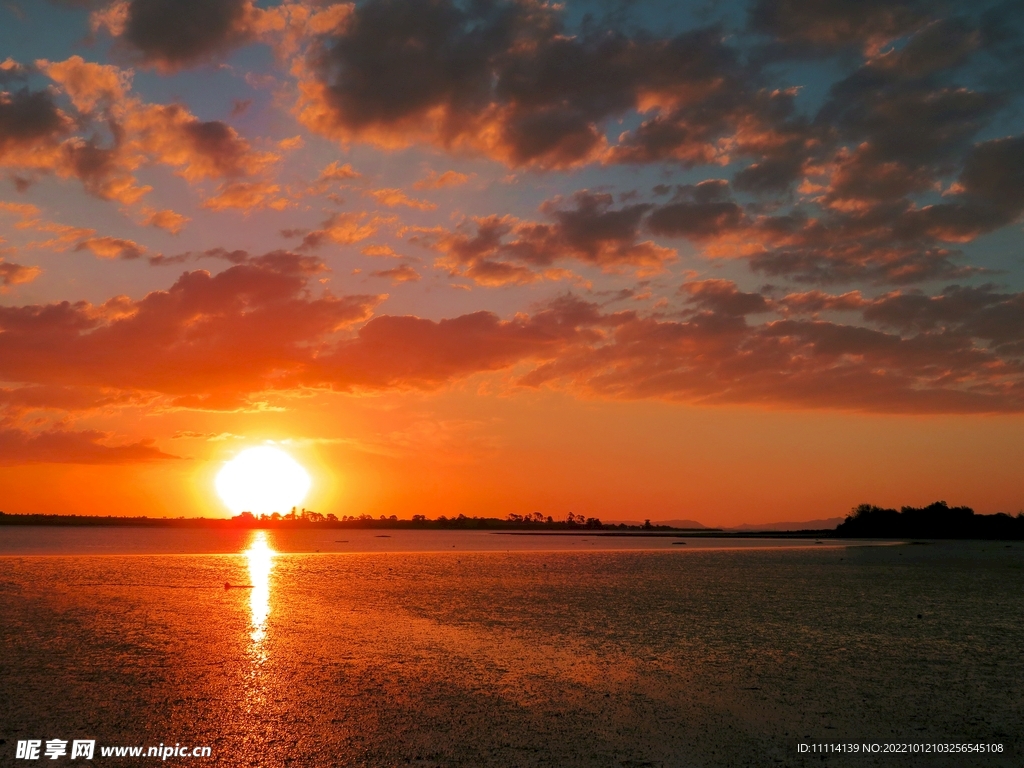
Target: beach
(728, 656)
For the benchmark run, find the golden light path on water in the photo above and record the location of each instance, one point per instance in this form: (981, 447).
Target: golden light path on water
(261, 562)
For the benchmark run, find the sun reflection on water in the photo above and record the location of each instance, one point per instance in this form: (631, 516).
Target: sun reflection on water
(261, 562)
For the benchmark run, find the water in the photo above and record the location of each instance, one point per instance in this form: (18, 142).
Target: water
(42, 540)
(425, 654)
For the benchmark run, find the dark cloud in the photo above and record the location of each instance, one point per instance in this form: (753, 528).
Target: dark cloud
(867, 225)
(809, 25)
(176, 33)
(981, 312)
(697, 212)
(500, 250)
(29, 118)
(906, 120)
(990, 195)
(723, 297)
(508, 80)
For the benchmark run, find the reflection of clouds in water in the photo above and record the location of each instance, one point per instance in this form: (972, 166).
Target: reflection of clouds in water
(261, 561)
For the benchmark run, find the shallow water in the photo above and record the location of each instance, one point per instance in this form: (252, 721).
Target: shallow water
(671, 657)
(43, 540)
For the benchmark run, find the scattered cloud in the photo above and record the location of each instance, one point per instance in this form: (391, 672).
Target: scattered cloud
(72, 447)
(395, 197)
(435, 180)
(16, 274)
(403, 273)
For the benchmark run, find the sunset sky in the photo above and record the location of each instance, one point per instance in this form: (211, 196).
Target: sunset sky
(726, 262)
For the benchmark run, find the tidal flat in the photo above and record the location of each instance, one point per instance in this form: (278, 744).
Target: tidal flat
(679, 656)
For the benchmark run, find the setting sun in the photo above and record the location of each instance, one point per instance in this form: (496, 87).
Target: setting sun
(262, 480)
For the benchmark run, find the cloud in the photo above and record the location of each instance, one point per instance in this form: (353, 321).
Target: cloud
(714, 356)
(10, 70)
(248, 196)
(434, 180)
(87, 84)
(724, 298)
(16, 274)
(173, 136)
(905, 119)
(111, 248)
(412, 352)
(697, 212)
(31, 126)
(867, 227)
(335, 172)
(38, 135)
(507, 80)
(403, 273)
(171, 34)
(807, 25)
(19, 447)
(380, 250)
(207, 341)
(396, 197)
(19, 401)
(215, 341)
(167, 220)
(504, 250)
(342, 229)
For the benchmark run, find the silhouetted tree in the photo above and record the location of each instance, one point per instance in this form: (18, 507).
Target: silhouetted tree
(936, 521)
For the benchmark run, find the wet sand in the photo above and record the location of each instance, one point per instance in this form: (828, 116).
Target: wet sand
(659, 658)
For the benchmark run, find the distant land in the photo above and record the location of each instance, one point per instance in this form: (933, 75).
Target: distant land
(827, 523)
(685, 524)
(936, 521)
(309, 519)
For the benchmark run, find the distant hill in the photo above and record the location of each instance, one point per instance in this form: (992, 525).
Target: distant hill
(806, 525)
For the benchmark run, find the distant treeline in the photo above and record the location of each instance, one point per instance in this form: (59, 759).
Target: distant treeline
(309, 519)
(936, 521)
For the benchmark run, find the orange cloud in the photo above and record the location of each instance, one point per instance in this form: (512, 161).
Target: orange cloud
(248, 196)
(208, 339)
(212, 341)
(334, 172)
(400, 274)
(36, 134)
(171, 135)
(88, 84)
(396, 197)
(16, 274)
(111, 248)
(433, 180)
(166, 219)
(342, 229)
(381, 250)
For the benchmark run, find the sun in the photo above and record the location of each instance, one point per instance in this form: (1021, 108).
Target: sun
(262, 480)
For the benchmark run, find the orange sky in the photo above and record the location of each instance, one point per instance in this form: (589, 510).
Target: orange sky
(491, 455)
(502, 257)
